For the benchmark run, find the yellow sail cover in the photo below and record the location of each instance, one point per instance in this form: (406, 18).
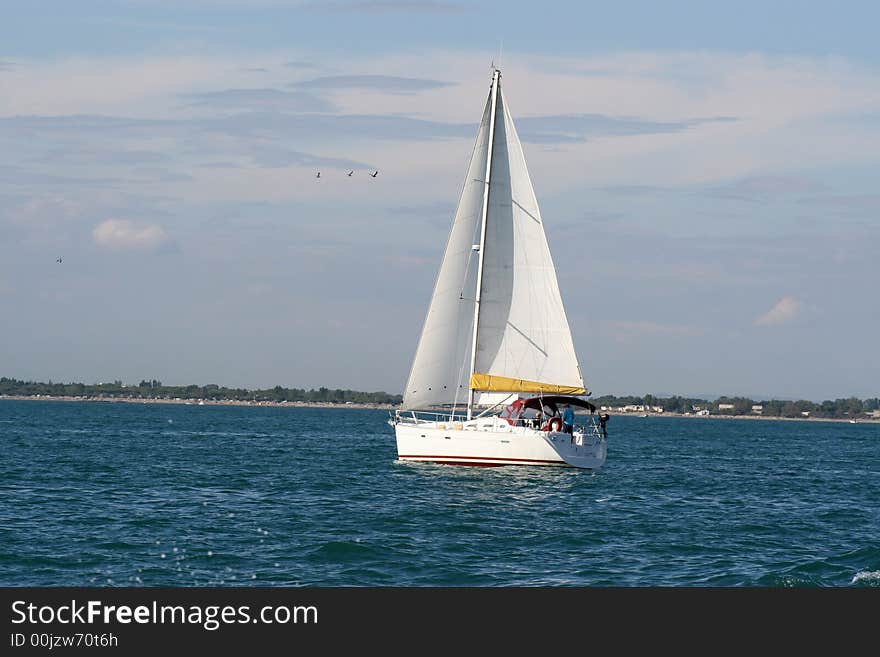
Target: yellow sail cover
(489, 383)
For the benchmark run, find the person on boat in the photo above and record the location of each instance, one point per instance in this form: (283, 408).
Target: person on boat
(603, 418)
(568, 419)
(538, 419)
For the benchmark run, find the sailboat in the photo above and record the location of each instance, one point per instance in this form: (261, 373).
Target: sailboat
(496, 330)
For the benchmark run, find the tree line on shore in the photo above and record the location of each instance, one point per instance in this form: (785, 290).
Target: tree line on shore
(850, 407)
(154, 389)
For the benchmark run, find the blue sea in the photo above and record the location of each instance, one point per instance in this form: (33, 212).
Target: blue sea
(125, 494)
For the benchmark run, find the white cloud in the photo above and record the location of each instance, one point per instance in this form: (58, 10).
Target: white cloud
(122, 234)
(786, 309)
(146, 86)
(381, 83)
(623, 118)
(388, 6)
(625, 332)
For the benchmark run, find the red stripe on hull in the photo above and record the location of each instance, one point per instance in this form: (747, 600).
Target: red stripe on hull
(445, 459)
(472, 464)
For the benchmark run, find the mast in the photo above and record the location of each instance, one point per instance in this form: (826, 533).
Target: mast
(496, 80)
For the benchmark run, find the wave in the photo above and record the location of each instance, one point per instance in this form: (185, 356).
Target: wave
(867, 578)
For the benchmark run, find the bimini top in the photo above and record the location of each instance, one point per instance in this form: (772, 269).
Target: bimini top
(551, 402)
(554, 401)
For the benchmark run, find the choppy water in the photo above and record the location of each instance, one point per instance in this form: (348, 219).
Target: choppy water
(130, 494)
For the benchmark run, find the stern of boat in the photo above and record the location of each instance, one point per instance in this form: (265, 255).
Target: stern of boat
(585, 448)
(579, 451)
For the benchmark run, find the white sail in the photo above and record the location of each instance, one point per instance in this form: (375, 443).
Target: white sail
(441, 367)
(523, 332)
(496, 328)
(523, 340)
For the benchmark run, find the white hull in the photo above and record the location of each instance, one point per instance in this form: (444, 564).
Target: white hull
(493, 442)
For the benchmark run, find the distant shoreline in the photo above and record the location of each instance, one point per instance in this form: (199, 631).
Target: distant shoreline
(201, 402)
(368, 406)
(754, 417)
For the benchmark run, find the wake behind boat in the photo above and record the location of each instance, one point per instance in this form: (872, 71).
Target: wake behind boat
(497, 330)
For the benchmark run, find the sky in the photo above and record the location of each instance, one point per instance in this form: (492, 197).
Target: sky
(707, 173)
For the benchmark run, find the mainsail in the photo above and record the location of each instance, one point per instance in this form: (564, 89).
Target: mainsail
(523, 340)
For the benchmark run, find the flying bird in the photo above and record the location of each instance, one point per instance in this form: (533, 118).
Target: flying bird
(59, 260)
(349, 173)
(374, 174)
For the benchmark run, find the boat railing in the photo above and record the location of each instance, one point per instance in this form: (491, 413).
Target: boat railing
(592, 429)
(451, 418)
(456, 421)
(422, 417)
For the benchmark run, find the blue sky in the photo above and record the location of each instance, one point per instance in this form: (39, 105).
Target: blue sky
(707, 175)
